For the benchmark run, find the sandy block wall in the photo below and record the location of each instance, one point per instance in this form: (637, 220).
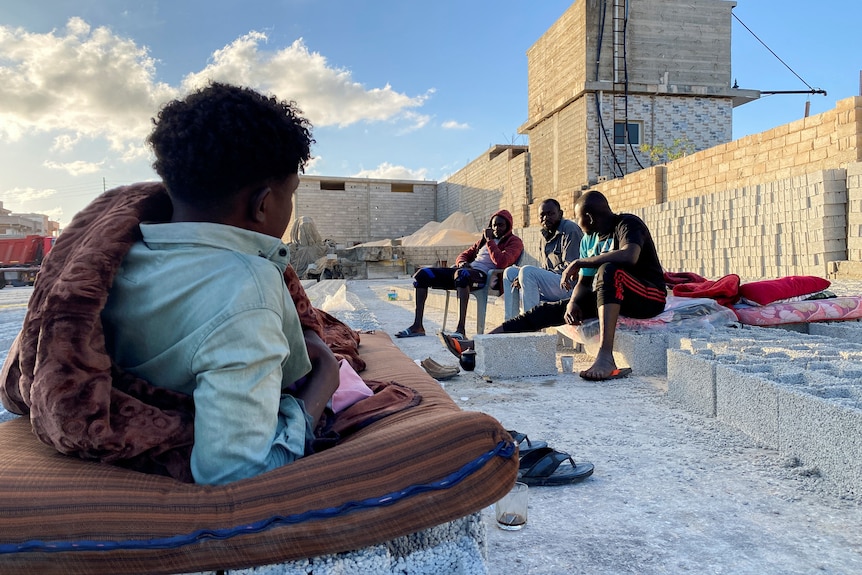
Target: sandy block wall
(394, 214)
(495, 180)
(698, 43)
(558, 150)
(854, 212)
(365, 210)
(532, 238)
(642, 188)
(785, 227)
(828, 140)
(557, 64)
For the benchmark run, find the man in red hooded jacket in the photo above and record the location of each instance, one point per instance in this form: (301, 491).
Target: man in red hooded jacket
(497, 248)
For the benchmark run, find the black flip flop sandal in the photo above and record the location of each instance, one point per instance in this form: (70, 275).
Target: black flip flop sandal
(524, 444)
(544, 467)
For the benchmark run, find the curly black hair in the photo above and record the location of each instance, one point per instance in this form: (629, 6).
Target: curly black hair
(221, 138)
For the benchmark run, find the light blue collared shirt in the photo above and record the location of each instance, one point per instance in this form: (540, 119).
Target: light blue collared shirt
(203, 309)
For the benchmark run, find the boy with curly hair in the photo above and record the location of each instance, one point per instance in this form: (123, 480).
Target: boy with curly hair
(200, 305)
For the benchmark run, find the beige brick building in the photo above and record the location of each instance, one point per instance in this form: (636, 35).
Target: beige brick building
(358, 210)
(607, 65)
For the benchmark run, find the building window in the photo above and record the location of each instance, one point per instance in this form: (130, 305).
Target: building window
(634, 133)
(332, 185)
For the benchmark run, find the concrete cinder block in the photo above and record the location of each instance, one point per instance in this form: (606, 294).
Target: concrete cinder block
(845, 330)
(691, 380)
(645, 352)
(823, 433)
(748, 401)
(516, 354)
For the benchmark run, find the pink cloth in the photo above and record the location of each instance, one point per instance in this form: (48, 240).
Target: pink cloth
(351, 388)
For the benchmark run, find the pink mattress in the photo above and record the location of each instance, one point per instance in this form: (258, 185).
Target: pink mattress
(808, 311)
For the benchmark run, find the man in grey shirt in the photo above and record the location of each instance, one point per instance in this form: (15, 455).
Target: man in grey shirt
(561, 246)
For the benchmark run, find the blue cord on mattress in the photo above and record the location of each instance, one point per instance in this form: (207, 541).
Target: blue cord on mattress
(503, 449)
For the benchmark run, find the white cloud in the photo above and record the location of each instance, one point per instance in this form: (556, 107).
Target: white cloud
(417, 122)
(387, 171)
(65, 143)
(54, 214)
(453, 125)
(80, 82)
(76, 168)
(18, 196)
(311, 165)
(327, 96)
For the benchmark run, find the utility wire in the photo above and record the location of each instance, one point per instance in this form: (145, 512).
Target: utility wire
(774, 54)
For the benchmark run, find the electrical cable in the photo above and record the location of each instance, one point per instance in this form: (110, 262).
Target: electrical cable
(616, 163)
(816, 90)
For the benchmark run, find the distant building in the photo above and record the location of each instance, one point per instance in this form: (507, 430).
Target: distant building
(348, 211)
(19, 225)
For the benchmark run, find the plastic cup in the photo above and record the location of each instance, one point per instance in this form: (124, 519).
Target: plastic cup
(567, 362)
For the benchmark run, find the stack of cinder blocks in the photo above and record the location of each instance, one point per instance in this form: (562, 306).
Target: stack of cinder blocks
(724, 232)
(800, 394)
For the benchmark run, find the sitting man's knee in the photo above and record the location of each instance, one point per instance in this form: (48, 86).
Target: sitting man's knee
(462, 278)
(529, 272)
(511, 273)
(606, 271)
(420, 278)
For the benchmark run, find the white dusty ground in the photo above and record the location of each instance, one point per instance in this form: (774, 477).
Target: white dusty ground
(673, 492)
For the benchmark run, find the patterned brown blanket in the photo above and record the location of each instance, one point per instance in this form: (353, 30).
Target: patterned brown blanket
(58, 370)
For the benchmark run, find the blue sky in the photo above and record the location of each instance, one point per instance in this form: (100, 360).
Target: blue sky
(395, 88)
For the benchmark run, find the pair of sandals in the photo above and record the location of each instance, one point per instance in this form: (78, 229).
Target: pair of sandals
(541, 465)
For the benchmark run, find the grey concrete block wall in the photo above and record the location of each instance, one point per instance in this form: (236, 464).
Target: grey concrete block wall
(844, 330)
(825, 433)
(362, 210)
(798, 393)
(748, 402)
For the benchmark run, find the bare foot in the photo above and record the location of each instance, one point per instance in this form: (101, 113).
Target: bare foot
(601, 368)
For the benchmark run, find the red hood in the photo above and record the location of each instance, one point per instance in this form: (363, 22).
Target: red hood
(506, 216)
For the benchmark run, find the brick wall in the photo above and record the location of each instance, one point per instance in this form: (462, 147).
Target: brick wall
(495, 180)
(828, 140)
(365, 210)
(854, 212)
(791, 226)
(558, 149)
(557, 64)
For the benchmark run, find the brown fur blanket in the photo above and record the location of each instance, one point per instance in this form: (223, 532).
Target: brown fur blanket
(58, 370)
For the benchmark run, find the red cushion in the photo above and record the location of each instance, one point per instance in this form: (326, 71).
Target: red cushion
(768, 291)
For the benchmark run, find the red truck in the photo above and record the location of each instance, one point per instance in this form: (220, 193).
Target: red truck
(21, 258)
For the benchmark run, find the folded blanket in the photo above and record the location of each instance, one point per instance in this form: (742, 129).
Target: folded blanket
(724, 290)
(58, 370)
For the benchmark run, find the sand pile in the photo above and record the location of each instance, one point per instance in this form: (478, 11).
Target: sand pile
(459, 229)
